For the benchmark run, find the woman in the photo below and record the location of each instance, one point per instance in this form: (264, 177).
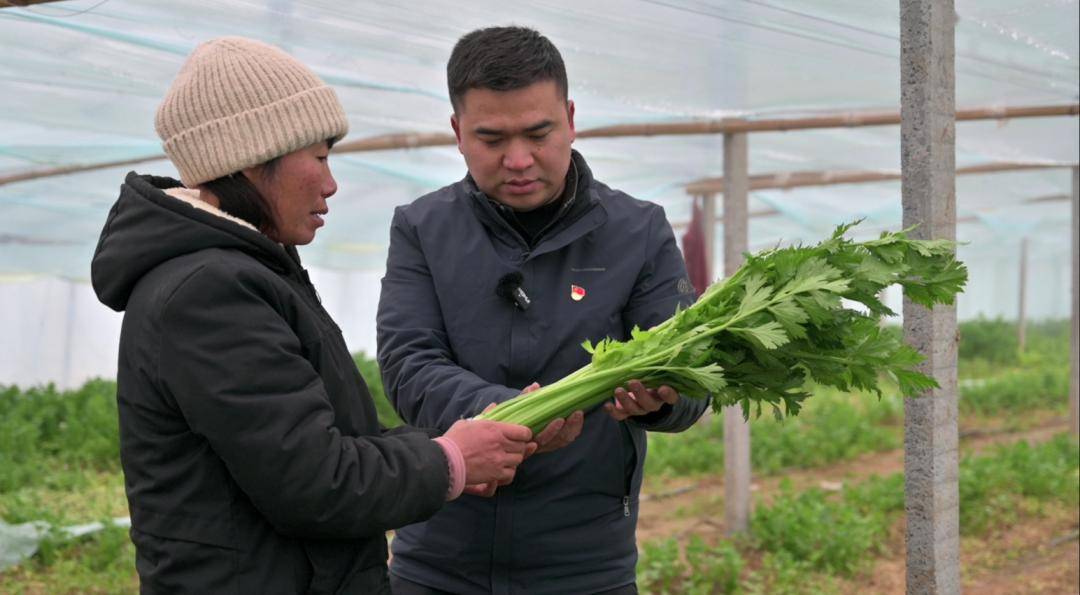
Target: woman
(252, 454)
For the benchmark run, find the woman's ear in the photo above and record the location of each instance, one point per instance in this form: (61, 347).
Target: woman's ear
(254, 174)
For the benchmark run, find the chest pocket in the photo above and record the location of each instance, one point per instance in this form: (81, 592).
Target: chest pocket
(320, 338)
(590, 303)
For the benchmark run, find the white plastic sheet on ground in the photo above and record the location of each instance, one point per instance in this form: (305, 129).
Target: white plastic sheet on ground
(20, 542)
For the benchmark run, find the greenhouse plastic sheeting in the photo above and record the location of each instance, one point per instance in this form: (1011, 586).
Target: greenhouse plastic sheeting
(81, 80)
(56, 331)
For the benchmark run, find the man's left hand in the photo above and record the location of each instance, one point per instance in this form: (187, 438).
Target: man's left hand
(639, 400)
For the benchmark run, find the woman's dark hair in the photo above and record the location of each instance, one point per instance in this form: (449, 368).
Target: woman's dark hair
(502, 59)
(238, 197)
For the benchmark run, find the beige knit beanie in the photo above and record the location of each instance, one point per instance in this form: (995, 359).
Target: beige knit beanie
(239, 102)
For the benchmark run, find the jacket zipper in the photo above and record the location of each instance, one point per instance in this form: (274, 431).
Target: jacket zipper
(628, 435)
(563, 210)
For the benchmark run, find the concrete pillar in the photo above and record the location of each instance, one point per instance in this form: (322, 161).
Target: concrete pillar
(1021, 313)
(736, 431)
(928, 137)
(1074, 378)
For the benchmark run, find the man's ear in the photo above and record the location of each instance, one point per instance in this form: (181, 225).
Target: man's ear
(457, 131)
(570, 118)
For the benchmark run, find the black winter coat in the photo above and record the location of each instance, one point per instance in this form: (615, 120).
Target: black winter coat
(449, 344)
(252, 455)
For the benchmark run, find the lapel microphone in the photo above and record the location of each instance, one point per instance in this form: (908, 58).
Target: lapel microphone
(509, 288)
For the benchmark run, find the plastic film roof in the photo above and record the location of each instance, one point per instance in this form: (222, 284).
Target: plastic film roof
(81, 80)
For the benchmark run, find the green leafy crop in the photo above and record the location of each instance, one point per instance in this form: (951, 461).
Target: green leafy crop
(757, 337)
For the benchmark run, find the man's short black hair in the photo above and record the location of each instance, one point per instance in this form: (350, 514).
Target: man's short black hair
(503, 59)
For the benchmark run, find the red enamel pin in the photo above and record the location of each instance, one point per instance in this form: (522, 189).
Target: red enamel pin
(577, 293)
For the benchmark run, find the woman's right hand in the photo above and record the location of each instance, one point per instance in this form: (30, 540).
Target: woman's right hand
(492, 450)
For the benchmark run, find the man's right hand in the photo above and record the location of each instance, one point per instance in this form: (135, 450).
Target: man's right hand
(559, 432)
(492, 450)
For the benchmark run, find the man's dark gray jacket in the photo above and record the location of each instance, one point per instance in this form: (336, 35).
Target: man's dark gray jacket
(449, 345)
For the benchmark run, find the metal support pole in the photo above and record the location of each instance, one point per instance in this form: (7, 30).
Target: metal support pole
(736, 430)
(928, 158)
(1021, 314)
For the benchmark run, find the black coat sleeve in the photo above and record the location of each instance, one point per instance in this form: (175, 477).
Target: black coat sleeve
(662, 287)
(419, 373)
(236, 369)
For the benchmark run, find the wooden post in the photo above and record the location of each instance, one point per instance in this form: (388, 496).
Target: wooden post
(708, 223)
(21, 3)
(928, 159)
(1021, 314)
(736, 430)
(1074, 378)
(412, 140)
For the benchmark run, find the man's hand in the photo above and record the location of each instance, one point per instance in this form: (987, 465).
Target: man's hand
(639, 400)
(559, 432)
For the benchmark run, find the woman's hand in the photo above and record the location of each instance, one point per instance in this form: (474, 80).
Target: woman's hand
(492, 450)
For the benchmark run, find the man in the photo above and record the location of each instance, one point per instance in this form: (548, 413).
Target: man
(455, 335)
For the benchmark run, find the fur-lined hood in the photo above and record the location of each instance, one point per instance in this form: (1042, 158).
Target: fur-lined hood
(156, 219)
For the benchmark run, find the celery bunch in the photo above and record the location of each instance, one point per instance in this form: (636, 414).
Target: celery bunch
(758, 337)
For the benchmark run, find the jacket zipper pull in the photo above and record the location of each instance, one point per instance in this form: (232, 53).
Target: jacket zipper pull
(626, 506)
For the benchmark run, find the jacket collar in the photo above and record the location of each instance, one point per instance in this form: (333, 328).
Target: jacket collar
(155, 220)
(582, 200)
(191, 197)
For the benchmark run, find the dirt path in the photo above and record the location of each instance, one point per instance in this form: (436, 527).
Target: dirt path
(1047, 568)
(1041, 554)
(682, 506)
(1038, 556)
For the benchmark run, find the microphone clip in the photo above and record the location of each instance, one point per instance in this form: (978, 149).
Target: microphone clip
(509, 288)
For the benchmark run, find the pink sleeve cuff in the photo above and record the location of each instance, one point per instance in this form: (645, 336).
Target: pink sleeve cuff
(457, 467)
